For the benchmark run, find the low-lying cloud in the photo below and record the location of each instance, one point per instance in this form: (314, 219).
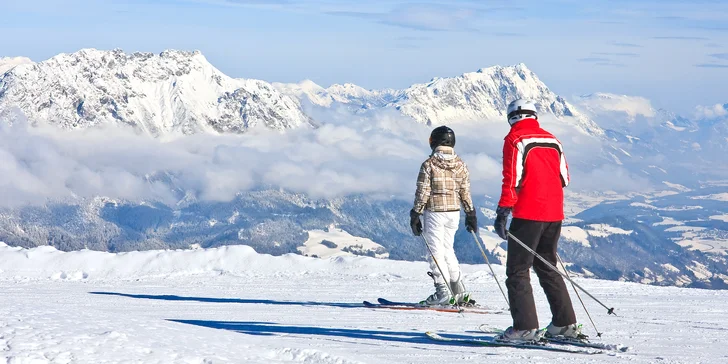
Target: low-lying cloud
(377, 155)
(711, 112)
(633, 106)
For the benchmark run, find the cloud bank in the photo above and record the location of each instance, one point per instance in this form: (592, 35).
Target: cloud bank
(633, 106)
(376, 155)
(711, 112)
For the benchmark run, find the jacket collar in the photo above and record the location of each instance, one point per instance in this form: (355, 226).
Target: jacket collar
(444, 153)
(529, 123)
(444, 150)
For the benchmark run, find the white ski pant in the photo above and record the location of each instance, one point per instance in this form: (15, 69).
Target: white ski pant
(439, 232)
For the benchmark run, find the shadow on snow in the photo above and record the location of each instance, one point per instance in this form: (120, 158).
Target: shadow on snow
(273, 329)
(229, 300)
(270, 329)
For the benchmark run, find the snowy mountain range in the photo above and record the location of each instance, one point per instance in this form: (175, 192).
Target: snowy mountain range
(181, 92)
(480, 96)
(174, 92)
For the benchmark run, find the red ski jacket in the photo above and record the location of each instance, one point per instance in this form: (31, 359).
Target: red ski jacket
(534, 173)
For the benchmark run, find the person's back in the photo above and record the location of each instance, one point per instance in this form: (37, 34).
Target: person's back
(534, 175)
(443, 186)
(446, 185)
(537, 170)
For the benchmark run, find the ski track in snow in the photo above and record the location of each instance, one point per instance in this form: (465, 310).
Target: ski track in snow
(248, 308)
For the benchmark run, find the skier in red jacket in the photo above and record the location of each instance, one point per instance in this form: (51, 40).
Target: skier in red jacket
(534, 175)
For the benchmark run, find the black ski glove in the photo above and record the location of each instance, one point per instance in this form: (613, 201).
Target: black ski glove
(415, 223)
(501, 221)
(471, 222)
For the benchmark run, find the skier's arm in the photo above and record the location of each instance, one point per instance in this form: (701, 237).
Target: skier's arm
(565, 178)
(465, 198)
(508, 190)
(422, 195)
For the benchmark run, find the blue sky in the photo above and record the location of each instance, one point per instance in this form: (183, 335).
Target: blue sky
(673, 52)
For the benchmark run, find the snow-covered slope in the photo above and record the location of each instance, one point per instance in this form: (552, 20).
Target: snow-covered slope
(477, 96)
(347, 94)
(485, 94)
(8, 63)
(335, 242)
(232, 305)
(172, 92)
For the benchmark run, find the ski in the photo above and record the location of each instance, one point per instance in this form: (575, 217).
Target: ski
(392, 303)
(413, 308)
(491, 342)
(468, 309)
(584, 343)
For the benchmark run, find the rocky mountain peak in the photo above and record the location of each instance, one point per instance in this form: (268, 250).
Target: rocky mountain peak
(167, 93)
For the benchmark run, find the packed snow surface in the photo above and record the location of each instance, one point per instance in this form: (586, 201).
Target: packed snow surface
(232, 305)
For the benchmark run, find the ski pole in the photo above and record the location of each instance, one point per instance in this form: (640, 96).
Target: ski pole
(610, 311)
(477, 241)
(447, 284)
(599, 334)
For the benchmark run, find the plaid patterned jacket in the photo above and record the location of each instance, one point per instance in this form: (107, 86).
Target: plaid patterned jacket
(443, 183)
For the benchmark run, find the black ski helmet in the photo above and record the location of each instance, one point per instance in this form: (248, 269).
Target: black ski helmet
(442, 136)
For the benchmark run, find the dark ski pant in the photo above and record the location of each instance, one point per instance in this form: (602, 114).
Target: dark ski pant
(542, 237)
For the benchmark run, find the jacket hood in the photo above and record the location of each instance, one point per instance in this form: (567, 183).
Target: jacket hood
(445, 158)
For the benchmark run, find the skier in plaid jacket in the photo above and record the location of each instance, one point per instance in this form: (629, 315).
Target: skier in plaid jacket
(443, 188)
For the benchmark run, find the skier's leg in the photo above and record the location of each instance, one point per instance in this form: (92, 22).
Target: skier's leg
(453, 266)
(552, 283)
(434, 233)
(518, 265)
(450, 228)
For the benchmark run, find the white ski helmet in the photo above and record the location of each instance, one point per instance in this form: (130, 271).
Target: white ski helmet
(521, 109)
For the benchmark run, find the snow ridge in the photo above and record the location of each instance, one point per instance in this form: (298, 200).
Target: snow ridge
(178, 92)
(174, 92)
(476, 96)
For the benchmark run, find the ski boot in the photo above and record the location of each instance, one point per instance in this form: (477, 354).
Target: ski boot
(461, 296)
(512, 335)
(441, 297)
(572, 331)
